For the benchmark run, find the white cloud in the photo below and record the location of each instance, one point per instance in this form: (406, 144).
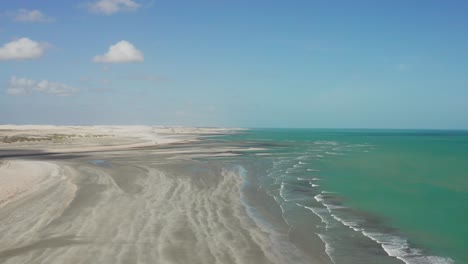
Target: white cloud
(22, 49)
(109, 7)
(23, 86)
(121, 52)
(24, 15)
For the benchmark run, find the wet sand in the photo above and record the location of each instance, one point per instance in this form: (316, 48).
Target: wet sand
(120, 195)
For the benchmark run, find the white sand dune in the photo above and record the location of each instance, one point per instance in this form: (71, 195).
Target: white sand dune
(68, 139)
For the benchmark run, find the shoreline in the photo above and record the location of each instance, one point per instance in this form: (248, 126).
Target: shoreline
(137, 193)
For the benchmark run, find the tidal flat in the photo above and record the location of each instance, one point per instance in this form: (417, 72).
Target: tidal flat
(136, 195)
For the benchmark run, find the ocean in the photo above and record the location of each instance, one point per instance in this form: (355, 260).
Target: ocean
(371, 196)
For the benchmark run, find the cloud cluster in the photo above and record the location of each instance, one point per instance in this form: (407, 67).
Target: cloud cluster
(121, 52)
(109, 7)
(23, 86)
(22, 49)
(27, 49)
(24, 15)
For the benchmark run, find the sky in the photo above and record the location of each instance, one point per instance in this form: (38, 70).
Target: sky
(244, 63)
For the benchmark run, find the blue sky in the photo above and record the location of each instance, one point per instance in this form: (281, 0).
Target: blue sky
(333, 64)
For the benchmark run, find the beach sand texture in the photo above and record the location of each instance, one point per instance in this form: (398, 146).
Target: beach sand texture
(110, 195)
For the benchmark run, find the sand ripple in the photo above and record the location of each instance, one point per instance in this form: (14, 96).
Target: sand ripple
(91, 216)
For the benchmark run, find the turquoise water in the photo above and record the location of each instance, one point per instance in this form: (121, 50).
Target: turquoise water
(380, 195)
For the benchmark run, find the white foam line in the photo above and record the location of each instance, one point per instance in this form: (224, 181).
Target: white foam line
(333, 143)
(281, 192)
(314, 210)
(313, 185)
(319, 198)
(302, 179)
(328, 249)
(393, 245)
(352, 225)
(398, 247)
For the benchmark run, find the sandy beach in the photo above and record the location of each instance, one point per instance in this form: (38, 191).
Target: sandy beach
(106, 194)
